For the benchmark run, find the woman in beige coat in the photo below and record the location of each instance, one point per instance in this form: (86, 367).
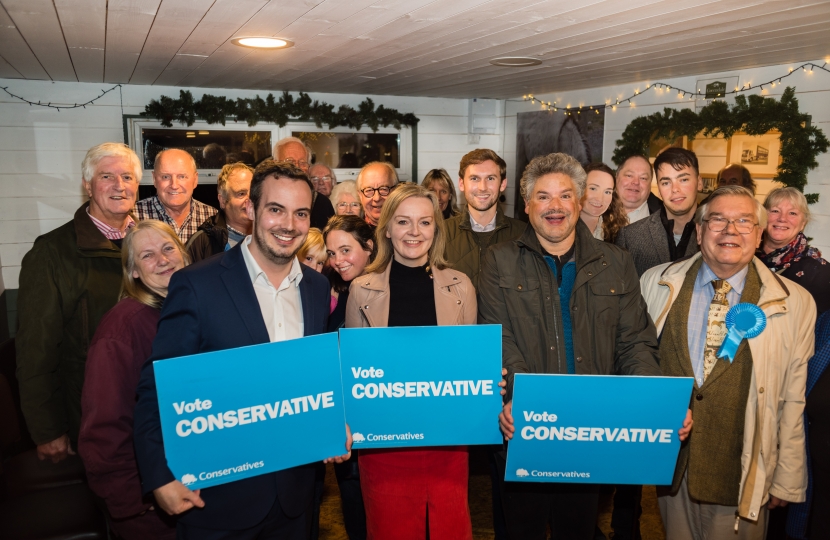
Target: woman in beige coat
(409, 284)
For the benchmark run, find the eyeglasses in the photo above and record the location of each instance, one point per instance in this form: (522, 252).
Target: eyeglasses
(369, 192)
(348, 205)
(301, 164)
(719, 224)
(318, 179)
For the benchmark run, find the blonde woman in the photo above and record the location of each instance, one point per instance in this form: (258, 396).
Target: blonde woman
(150, 254)
(409, 284)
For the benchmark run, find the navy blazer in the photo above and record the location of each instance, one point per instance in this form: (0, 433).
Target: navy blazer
(212, 306)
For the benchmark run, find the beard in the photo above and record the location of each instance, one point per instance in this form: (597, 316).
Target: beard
(280, 258)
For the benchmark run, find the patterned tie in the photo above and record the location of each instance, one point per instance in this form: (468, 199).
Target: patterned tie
(716, 326)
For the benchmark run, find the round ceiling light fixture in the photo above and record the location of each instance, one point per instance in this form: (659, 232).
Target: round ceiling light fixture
(515, 61)
(255, 42)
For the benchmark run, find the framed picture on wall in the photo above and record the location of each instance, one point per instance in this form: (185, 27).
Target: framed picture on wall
(761, 154)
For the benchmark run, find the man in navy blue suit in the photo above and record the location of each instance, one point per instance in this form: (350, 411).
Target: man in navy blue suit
(255, 293)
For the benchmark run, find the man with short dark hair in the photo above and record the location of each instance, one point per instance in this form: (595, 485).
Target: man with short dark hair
(175, 177)
(567, 303)
(668, 234)
(634, 188)
(255, 293)
(296, 152)
(736, 175)
(482, 178)
(747, 452)
(68, 280)
(375, 182)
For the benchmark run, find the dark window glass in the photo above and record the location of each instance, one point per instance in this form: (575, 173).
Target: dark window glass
(351, 150)
(210, 149)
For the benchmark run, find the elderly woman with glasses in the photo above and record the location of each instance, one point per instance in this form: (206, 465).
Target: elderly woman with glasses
(150, 254)
(784, 249)
(346, 200)
(409, 284)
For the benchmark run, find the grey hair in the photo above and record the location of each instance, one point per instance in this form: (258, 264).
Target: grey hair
(329, 169)
(343, 188)
(224, 176)
(740, 191)
(189, 156)
(288, 140)
(791, 194)
(556, 163)
(389, 168)
(108, 149)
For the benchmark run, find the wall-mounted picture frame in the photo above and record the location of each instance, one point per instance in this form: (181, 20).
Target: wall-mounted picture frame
(710, 183)
(761, 154)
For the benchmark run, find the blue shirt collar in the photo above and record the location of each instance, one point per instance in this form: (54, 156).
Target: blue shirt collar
(705, 277)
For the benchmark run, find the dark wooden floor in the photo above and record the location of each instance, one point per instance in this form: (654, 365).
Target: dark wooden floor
(331, 518)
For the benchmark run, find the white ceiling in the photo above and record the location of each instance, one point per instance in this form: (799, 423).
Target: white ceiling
(403, 47)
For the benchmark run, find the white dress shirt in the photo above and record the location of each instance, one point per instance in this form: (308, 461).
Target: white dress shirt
(638, 214)
(281, 307)
(483, 228)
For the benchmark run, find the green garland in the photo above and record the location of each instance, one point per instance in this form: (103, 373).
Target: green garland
(217, 109)
(757, 115)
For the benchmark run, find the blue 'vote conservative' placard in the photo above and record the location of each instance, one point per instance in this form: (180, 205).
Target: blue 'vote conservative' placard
(229, 415)
(428, 386)
(596, 429)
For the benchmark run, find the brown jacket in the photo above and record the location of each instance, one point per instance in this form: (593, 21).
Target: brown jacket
(368, 305)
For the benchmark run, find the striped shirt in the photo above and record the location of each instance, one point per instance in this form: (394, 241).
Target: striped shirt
(151, 208)
(111, 233)
(698, 319)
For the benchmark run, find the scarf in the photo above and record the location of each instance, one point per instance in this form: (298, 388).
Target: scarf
(783, 257)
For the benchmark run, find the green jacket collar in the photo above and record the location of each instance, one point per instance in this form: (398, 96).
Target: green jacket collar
(501, 219)
(88, 236)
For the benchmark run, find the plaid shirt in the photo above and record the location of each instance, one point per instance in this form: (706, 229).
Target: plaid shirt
(151, 208)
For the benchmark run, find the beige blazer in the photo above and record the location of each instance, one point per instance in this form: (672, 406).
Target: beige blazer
(773, 459)
(368, 305)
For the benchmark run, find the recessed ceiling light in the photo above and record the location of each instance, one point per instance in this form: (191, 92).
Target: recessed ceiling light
(515, 61)
(262, 42)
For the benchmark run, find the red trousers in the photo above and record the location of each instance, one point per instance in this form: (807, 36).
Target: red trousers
(401, 485)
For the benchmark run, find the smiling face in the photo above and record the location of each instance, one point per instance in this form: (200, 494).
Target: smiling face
(112, 189)
(346, 256)
(553, 210)
(727, 252)
(634, 183)
(373, 176)
(347, 205)
(599, 190)
(175, 179)
(156, 258)
(482, 185)
(314, 260)
(442, 191)
(784, 222)
(282, 220)
(412, 230)
(678, 189)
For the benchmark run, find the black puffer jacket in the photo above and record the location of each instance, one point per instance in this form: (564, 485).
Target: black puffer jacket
(612, 332)
(210, 238)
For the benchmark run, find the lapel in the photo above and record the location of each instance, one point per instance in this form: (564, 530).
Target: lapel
(238, 283)
(307, 301)
(658, 237)
(680, 326)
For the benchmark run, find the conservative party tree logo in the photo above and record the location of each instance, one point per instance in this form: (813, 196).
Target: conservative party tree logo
(358, 438)
(188, 479)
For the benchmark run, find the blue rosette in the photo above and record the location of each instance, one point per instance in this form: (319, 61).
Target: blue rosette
(742, 321)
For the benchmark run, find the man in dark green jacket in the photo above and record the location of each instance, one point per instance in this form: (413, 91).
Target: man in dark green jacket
(482, 178)
(567, 303)
(68, 280)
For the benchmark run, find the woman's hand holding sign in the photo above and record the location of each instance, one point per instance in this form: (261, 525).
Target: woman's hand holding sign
(174, 498)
